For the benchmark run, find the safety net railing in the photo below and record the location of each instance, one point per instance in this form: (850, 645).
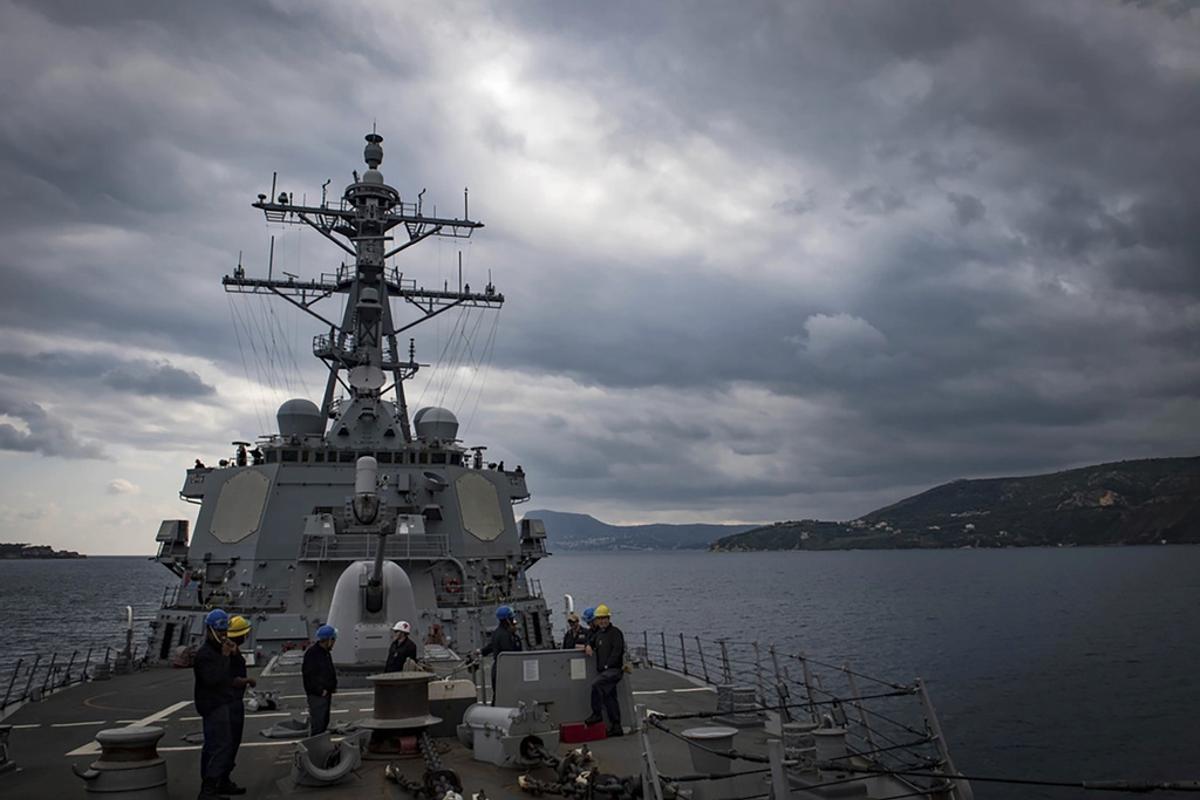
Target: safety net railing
(890, 726)
(35, 676)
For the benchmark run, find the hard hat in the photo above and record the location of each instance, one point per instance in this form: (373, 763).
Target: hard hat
(572, 617)
(217, 619)
(402, 627)
(588, 614)
(326, 632)
(504, 612)
(602, 611)
(239, 626)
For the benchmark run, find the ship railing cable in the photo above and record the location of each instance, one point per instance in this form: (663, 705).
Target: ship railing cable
(34, 676)
(892, 724)
(659, 721)
(759, 707)
(938, 779)
(1129, 786)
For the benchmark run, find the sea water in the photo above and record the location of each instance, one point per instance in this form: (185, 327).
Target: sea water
(1068, 664)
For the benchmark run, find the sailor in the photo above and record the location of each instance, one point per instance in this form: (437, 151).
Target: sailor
(402, 649)
(505, 639)
(589, 620)
(607, 644)
(239, 629)
(576, 635)
(213, 695)
(320, 679)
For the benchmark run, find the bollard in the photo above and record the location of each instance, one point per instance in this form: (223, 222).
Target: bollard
(129, 765)
(799, 745)
(742, 710)
(702, 740)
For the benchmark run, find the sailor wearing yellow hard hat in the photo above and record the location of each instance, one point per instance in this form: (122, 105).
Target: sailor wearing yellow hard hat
(218, 696)
(239, 630)
(607, 644)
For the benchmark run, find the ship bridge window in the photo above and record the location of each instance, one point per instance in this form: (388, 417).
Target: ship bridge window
(272, 456)
(319, 456)
(346, 457)
(456, 459)
(383, 458)
(290, 456)
(437, 458)
(423, 458)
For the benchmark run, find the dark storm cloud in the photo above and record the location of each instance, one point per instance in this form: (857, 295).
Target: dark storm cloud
(136, 376)
(158, 379)
(44, 433)
(874, 200)
(967, 208)
(976, 251)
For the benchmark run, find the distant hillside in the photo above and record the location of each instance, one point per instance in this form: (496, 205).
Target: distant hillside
(1127, 502)
(566, 531)
(21, 550)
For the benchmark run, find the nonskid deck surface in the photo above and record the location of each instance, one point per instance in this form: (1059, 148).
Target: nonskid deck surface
(51, 736)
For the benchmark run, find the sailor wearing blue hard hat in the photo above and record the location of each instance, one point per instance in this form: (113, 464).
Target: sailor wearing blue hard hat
(505, 639)
(320, 679)
(589, 619)
(214, 694)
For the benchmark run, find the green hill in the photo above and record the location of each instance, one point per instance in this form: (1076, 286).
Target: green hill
(565, 531)
(1150, 501)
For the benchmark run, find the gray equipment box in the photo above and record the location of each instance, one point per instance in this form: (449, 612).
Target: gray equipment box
(559, 681)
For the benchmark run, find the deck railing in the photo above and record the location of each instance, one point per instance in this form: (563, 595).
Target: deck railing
(892, 726)
(33, 677)
(359, 546)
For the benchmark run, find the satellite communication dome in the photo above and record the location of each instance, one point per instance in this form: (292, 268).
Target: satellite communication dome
(300, 417)
(372, 176)
(436, 423)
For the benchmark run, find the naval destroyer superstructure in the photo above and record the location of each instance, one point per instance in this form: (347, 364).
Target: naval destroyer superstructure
(357, 514)
(277, 524)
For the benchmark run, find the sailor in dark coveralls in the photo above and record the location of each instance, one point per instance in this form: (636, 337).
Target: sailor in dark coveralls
(607, 644)
(505, 639)
(402, 648)
(320, 679)
(213, 695)
(239, 629)
(576, 635)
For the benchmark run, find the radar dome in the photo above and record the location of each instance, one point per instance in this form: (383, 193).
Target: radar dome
(373, 176)
(436, 424)
(300, 417)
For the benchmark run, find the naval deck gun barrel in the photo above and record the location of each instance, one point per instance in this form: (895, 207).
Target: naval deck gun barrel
(366, 511)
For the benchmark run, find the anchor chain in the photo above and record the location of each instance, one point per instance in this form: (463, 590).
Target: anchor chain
(437, 783)
(578, 776)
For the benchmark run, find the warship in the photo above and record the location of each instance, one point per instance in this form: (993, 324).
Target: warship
(357, 513)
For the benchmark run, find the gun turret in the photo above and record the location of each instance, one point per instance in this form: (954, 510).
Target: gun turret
(366, 511)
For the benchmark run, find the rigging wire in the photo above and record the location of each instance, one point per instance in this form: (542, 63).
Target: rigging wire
(254, 401)
(490, 350)
(462, 356)
(244, 317)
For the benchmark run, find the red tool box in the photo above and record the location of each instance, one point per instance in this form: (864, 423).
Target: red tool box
(576, 732)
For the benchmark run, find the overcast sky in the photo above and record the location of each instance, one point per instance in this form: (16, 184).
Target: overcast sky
(762, 261)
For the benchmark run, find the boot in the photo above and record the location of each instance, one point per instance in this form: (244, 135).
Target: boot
(228, 787)
(592, 720)
(613, 731)
(209, 790)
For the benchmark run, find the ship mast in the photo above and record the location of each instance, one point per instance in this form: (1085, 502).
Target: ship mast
(364, 345)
